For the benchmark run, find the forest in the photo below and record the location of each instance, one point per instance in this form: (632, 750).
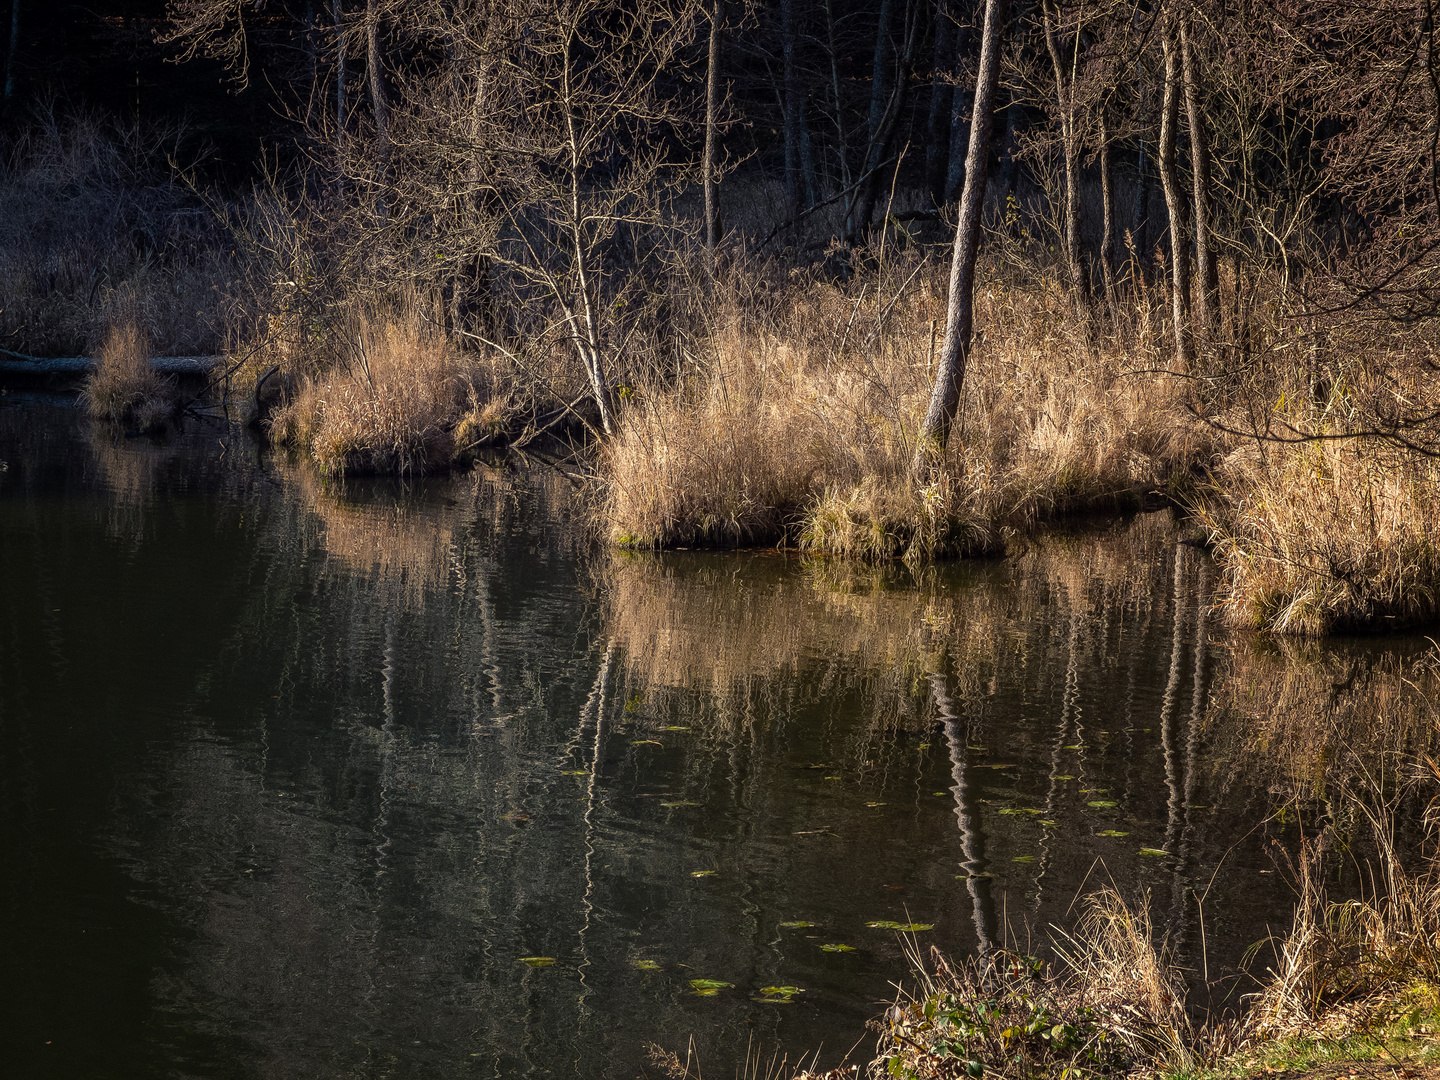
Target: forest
(873, 279)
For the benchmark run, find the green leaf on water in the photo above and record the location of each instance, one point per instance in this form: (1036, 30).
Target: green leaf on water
(872, 805)
(647, 965)
(923, 746)
(798, 924)
(711, 984)
(942, 793)
(646, 742)
(1023, 858)
(537, 961)
(681, 802)
(1102, 804)
(838, 948)
(1076, 746)
(703, 873)
(705, 991)
(676, 727)
(576, 772)
(1093, 790)
(1112, 832)
(1048, 823)
(979, 749)
(781, 991)
(891, 924)
(1153, 851)
(1063, 776)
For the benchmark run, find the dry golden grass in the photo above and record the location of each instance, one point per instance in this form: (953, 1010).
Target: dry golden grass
(124, 388)
(799, 422)
(405, 402)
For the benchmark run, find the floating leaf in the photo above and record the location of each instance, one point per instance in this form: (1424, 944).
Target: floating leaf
(537, 961)
(1023, 858)
(647, 965)
(832, 778)
(705, 991)
(942, 793)
(997, 766)
(646, 742)
(798, 924)
(781, 991)
(909, 928)
(703, 873)
(838, 948)
(1076, 746)
(576, 772)
(1153, 851)
(923, 746)
(872, 805)
(1112, 832)
(1047, 822)
(681, 802)
(1063, 776)
(978, 749)
(1103, 804)
(711, 984)
(1093, 790)
(1021, 810)
(676, 727)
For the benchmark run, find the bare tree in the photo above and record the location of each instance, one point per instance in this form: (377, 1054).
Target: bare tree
(1174, 194)
(712, 227)
(1069, 121)
(1205, 268)
(960, 307)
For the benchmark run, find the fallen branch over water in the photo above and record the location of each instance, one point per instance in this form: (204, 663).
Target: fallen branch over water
(15, 363)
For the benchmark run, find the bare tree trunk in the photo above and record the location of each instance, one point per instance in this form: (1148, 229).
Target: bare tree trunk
(12, 55)
(790, 109)
(942, 92)
(379, 102)
(1107, 215)
(1070, 144)
(342, 98)
(960, 309)
(1175, 199)
(712, 228)
(883, 110)
(1206, 271)
(312, 61)
(1010, 170)
(1140, 215)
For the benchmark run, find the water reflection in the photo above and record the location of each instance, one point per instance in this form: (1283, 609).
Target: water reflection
(295, 775)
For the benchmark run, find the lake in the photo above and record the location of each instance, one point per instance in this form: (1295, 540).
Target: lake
(301, 779)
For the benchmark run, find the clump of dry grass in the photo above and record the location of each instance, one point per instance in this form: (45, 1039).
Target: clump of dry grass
(1113, 1003)
(405, 402)
(1345, 965)
(799, 422)
(124, 388)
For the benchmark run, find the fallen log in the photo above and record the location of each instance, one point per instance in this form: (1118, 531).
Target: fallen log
(14, 363)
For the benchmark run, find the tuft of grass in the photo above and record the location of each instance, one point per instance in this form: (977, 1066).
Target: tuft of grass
(404, 402)
(124, 388)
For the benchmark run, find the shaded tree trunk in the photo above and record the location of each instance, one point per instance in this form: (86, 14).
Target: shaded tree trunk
(942, 94)
(960, 308)
(375, 65)
(963, 100)
(887, 101)
(1206, 271)
(12, 54)
(712, 227)
(342, 91)
(1107, 216)
(1175, 198)
(1140, 215)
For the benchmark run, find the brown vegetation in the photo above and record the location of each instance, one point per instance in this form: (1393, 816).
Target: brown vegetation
(124, 388)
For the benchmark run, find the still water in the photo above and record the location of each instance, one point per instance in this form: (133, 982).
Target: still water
(294, 778)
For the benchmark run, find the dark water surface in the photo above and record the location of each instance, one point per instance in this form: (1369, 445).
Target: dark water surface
(291, 779)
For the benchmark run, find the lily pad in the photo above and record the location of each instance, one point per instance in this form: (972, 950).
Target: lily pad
(647, 965)
(538, 961)
(1103, 804)
(798, 924)
(703, 873)
(781, 991)
(1112, 832)
(837, 947)
(891, 924)
(1153, 851)
(711, 984)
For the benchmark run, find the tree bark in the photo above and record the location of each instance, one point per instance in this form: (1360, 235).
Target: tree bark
(1206, 271)
(960, 308)
(1140, 214)
(375, 64)
(1107, 215)
(1070, 146)
(1175, 198)
(342, 98)
(942, 93)
(712, 227)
